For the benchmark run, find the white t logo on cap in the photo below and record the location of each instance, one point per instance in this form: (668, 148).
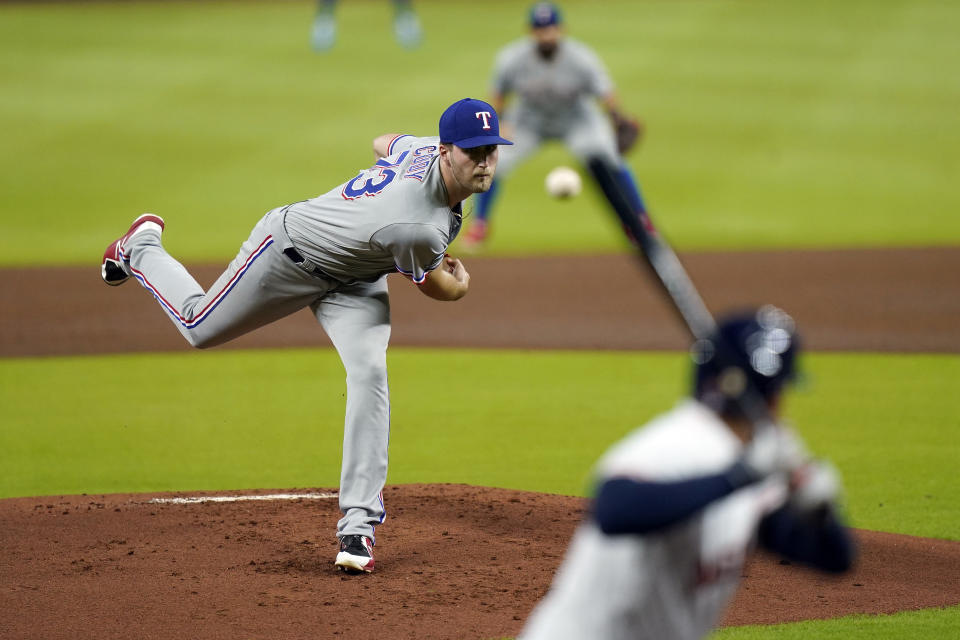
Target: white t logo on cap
(485, 116)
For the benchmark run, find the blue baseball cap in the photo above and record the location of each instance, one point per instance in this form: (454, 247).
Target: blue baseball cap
(544, 14)
(470, 123)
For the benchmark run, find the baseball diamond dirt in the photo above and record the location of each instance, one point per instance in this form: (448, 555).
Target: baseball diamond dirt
(864, 300)
(453, 561)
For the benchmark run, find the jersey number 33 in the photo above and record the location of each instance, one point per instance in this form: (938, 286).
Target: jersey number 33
(372, 181)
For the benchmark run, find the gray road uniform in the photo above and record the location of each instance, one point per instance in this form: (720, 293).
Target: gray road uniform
(332, 254)
(555, 99)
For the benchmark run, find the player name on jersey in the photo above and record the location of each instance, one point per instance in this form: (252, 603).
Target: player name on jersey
(422, 158)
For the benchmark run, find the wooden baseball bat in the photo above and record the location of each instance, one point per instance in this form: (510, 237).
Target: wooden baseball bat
(662, 262)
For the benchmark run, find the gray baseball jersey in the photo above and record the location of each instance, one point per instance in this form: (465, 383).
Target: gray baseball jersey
(554, 99)
(672, 584)
(391, 217)
(555, 90)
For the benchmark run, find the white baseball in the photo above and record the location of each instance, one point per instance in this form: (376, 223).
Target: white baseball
(563, 182)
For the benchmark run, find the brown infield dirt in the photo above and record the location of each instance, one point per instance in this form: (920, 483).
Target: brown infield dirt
(453, 561)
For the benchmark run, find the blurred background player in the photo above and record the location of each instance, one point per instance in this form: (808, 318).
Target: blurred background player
(681, 501)
(556, 82)
(406, 25)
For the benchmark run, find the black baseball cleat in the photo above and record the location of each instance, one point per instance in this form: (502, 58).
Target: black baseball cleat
(356, 554)
(115, 267)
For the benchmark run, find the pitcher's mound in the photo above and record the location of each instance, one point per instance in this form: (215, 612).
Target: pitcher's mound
(452, 561)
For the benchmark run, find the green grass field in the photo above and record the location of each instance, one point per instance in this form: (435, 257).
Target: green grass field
(796, 124)
(777, 124)
(524, 420)
(913, 625)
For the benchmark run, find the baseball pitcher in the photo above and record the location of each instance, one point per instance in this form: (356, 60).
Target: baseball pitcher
(682, 501)
(332, 253)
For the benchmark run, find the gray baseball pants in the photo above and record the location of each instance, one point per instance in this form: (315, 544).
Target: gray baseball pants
(262, 285)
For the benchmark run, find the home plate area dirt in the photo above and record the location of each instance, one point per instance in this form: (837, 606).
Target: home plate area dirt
(453, 561)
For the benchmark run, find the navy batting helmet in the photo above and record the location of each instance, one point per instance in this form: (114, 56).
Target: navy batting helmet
(544, 14)
(760, 347)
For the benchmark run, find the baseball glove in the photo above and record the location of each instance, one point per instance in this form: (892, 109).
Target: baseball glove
(628, 130)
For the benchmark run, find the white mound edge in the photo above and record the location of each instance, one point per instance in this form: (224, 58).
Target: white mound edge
(269, 496)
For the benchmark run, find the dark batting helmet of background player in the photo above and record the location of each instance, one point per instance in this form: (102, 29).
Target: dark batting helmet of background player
(760, 346)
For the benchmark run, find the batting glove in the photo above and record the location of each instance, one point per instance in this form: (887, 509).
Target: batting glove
(773, 449)
(814, 485)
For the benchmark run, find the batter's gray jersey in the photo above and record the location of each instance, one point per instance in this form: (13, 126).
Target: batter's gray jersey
(394, 216)
(673, 584)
